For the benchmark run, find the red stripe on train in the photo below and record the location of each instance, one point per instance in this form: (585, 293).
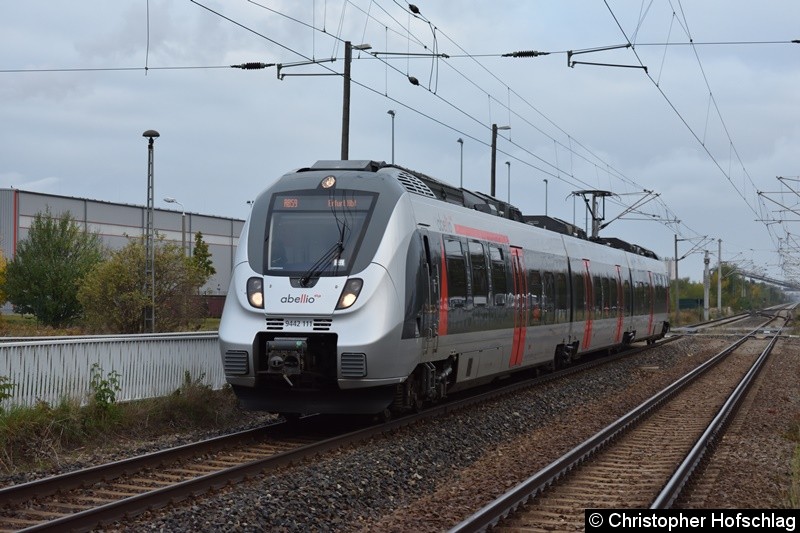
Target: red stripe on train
(520, 288)
(588, 307)
(481, 234)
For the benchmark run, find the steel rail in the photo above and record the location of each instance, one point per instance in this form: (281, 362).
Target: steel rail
(489, 516)
(134, 505)
(72, 480)
(713, 323)
(675, 485)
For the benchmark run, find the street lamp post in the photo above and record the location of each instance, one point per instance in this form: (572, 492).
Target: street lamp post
(391, 112)
(677, 296)
(706, 282)
(508, 164)
(461, 181)
(348, 58)
(545, 197)
(171, 200)
(719, 279)
(495, 127)
(677, 280)
(149, 260)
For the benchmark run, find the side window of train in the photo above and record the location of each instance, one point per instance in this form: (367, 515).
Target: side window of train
(548, 298)
(599, 296)
(658, 293)
(535, 291)
(578, 297)
(480, 274)
(561, 297)
(499, 284)
(456, 273)
(611, 301)
(641, 298)
(628, 296)
(664, 294)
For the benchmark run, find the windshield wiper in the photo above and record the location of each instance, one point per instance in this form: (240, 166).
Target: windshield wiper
(334, 251)
(322, 263)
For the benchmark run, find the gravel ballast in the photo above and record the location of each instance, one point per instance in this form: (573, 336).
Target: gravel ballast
(432, 475)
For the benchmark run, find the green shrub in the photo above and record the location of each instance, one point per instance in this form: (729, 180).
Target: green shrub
(6, 388)
(39, 437)
(103, 391)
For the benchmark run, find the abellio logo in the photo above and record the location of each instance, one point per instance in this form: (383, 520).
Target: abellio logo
(301, 299)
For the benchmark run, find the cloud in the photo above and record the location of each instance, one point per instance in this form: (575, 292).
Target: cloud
(226, 134)
(16, 180)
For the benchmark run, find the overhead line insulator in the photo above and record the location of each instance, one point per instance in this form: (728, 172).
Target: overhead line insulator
(526, 53)
(253, 65)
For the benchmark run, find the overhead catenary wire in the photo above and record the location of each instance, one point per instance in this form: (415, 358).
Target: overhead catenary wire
(678, 113)
(574, 181)
(683, 119)
(542, 164)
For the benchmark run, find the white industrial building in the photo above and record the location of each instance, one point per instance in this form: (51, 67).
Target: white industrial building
(116, 223)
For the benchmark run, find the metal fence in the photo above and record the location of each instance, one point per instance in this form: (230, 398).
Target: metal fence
(149, 365)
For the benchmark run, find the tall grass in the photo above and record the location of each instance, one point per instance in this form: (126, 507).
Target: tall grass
(14, 325)
(39, 437)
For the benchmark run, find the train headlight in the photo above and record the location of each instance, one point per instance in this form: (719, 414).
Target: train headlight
(350, 293)
(255, 292)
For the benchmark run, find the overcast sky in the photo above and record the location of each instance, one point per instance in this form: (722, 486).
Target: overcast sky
(705, 127)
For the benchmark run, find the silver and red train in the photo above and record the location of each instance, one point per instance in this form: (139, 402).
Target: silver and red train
(360, 286)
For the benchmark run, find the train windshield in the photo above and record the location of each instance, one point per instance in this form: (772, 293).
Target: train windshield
(313, 234)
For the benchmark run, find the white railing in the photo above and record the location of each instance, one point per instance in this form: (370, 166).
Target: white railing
(150, 365)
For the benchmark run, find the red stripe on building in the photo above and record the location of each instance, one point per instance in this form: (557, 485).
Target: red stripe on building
(16, 224)
(481, 234)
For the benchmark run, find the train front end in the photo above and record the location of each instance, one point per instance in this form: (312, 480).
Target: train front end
(311, 322)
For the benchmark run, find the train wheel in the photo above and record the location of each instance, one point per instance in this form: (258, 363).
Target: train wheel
(408, 395)
(415, 396)
(562, 357)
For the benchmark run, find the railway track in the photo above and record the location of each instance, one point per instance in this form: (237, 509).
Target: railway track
(731, 325)
(643, 459)
(84, 499)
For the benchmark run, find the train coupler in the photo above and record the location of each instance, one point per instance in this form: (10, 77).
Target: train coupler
(286, 356)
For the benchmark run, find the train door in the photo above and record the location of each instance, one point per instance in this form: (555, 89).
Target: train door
(586, 344)
(619, 306)
(430, 313)
(651, 299)
(520, 305)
